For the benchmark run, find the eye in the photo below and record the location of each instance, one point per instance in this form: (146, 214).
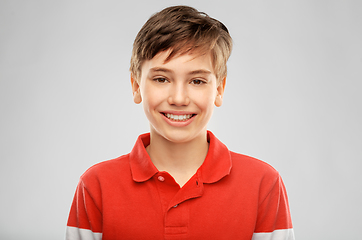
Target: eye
(160, 80)
(197, 82)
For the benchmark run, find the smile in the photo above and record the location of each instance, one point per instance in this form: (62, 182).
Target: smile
(179, 118)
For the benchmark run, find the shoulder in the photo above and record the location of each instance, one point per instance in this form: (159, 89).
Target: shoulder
(252, 167)
(251, 162)
(108, 169)
(254, 175)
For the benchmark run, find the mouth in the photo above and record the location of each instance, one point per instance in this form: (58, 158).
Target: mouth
(178, 118)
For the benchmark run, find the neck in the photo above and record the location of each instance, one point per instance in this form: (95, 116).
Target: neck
(180, 160)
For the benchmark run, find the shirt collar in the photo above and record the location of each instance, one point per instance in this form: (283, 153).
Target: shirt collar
(217, 163)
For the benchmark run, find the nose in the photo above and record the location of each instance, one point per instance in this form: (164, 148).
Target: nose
(178, 95)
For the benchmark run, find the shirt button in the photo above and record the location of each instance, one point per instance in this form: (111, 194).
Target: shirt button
(175, 206)
(161, 179)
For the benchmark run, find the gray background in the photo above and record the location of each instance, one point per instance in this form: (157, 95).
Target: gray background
(292, 99)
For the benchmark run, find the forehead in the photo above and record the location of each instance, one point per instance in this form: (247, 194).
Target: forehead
(180, 63)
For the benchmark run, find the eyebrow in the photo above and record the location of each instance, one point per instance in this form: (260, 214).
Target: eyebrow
(160, 69)
(200, 71)
(166, 70)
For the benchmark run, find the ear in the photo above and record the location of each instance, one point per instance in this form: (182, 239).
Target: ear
(136, 90)
(220, 92)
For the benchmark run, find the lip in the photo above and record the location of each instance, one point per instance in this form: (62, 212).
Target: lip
(178, 112)
(178, 123)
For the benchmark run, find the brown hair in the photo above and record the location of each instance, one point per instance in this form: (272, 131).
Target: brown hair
(182, 29)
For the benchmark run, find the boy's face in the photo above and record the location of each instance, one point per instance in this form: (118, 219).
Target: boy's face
(178, 96)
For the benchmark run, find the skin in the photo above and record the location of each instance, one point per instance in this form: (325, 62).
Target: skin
(185, 85)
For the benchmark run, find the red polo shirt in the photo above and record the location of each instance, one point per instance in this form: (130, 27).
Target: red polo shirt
(231, 196)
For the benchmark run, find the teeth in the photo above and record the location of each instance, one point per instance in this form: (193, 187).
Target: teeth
(178, 117)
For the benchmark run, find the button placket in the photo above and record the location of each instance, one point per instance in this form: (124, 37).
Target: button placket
(167, 189)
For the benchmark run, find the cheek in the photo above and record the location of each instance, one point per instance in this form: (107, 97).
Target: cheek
(206, 107)
(151, 97)
(205, 99)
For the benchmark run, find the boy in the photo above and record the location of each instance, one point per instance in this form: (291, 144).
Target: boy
(180, 181)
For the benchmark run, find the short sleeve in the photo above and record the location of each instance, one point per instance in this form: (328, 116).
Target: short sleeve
(274, 220)
(85, 218)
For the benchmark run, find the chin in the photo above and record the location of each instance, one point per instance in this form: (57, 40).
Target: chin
(182, 136)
